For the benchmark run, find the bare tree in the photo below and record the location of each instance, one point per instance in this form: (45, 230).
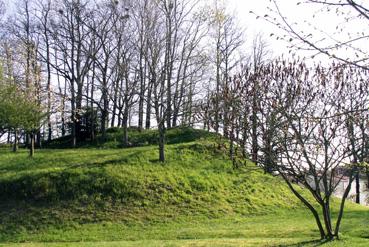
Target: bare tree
(228, 39)
(312, 143)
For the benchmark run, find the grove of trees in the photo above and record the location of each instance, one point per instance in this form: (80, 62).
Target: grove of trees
(164, 63)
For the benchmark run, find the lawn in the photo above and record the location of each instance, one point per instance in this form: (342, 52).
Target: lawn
(109, 196)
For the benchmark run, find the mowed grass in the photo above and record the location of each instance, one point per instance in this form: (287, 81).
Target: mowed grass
(124, 197)
(295, 229)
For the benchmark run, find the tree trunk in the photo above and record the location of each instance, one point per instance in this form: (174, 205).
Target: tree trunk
(141, 97)
(125, 125)
(255, 148)
(74, 117)
(115, 99)
(49, 132)
(308, 205)
(148, 108)
(327, 219)
(357, 181)
(32, 145)
(15, 144)
(161, 142)
(342, 206)
(92, 106)
(8, 139)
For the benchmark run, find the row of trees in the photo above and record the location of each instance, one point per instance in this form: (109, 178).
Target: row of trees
(116, 61)
(307, 124)
(163, 63)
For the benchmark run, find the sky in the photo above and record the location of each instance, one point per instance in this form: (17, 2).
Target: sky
(315, 14)
(295, 12)
(254, 26)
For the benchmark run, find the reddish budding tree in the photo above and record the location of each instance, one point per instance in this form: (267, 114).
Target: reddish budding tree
(314, 142)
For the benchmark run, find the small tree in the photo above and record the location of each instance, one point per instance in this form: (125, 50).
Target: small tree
(18, 112)
(314, 137)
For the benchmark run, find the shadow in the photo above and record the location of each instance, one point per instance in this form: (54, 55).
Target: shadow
(316, 242)
(20, 220)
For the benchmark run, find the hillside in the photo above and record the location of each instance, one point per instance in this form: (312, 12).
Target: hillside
(101, 192)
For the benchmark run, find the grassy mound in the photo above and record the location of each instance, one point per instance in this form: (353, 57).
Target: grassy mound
(111, 194)
(136, 138)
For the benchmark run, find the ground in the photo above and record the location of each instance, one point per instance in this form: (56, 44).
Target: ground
(104, 195)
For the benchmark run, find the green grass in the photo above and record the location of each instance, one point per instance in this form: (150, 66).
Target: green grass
(101, 196)
(114, 137)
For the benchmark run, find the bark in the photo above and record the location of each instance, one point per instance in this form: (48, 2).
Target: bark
(357, 186)
(125, 123)
(92, 103)
(115, 101)
(48, 66)
(142, 93)
(309, 206)
(74, 121)
(161, 142)
(32, 145)
(254, 134)
(104, 112)
(15, 144)
(342, 206)
(148, 105)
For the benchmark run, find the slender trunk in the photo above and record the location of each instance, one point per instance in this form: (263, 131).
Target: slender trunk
(327, 219)
(74, 120)
(49, 127)
(104, 113)
(357, 182)
(125, 124)
(161, 142)
(217, 95)
(148, 107)
(308, 205)
(15, 144)
(92, 104)
(32, 145)
(342, 206)
(120, 113)
(115, 103)
(141, 96)
(255, 147)
(231, 145)
(168, 70)
(244, 141)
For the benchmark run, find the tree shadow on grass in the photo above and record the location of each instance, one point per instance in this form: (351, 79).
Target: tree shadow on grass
(312, 243)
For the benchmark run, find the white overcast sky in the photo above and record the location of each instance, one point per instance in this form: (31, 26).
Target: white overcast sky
(315, 14)
(290, 9)
(255, 26)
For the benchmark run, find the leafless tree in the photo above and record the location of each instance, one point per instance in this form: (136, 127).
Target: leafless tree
(312, 143)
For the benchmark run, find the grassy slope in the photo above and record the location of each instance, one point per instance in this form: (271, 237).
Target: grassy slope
(125, 195)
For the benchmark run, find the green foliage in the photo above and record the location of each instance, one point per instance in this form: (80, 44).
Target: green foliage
(17, 111)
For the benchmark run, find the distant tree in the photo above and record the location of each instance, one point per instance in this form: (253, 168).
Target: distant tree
(18, 112)
(227, 39)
